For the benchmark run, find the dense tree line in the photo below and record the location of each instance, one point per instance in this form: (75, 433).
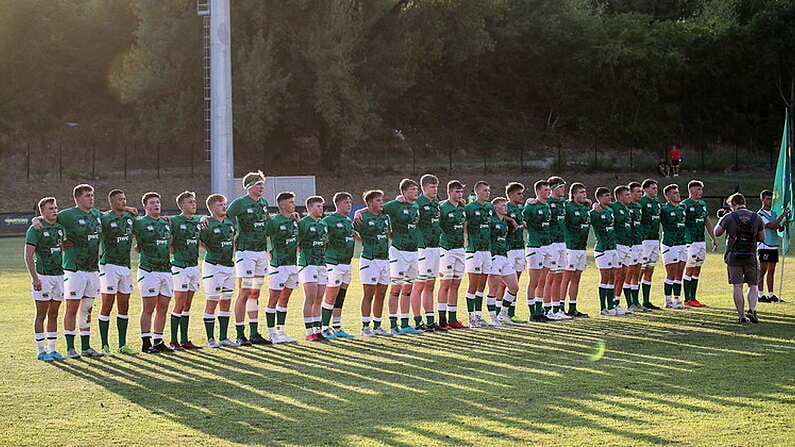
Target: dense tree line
(344, 73)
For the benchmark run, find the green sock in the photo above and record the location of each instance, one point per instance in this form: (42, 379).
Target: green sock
(281, 317)
(628, 297)
(121, 325)
(240, 328)
(175, 319)
(84, 342)
(470, 303)
(556, 309)
(183, 328)
(668, 289)
(677, 289)
(376, 323)
(223, 327)
(572, 307)
(531, 306)
(693, 286)
(308, 325)
(104, 327)
(646, 293)
(70, 341)
(270, 319)
(393, 322)
(452, 315)
(252, 327)
(443, 316)
(610, 298)
(512, 310)
(686, 287)
(491, 307)
(430, 318)
(539, 307)
(478, 303)
(602, 300)
(498, 307)
(417, 320)
(325, 316)
(404, 322)
(209, 326)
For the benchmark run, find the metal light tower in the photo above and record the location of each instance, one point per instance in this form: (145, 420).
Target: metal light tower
(218, 94)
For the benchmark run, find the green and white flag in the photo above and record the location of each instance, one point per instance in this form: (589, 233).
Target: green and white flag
(782, 187)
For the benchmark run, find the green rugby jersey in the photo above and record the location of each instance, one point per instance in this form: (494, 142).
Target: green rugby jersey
(516, 238)
(250, 216)
(185, 240)
(283, 232)
(403, 218)
(695, 219)
(478, 219)
(428, 224)
(557, 219)
(622, 224)
(602, 223)
(312, 239)
(219, 241)
(84, 231)
(374, 231)
(154, 238)
(116, 240)
(340, 239)
(451, 221)
(672, 220)
(635, 216)
(578, 225)
(537, 217)
(650, 218)
(47, 241)
(499, 236)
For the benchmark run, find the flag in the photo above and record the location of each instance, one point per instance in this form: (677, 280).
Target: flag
(782, 187)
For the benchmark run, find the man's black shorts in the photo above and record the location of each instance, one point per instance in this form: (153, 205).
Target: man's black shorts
(768, 255)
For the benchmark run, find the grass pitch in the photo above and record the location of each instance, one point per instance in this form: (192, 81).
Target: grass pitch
(687, 377)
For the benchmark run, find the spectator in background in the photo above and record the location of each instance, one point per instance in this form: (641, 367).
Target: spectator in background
(676, 159)
(768, 248)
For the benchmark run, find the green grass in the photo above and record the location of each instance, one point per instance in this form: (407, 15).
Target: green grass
(690, 377)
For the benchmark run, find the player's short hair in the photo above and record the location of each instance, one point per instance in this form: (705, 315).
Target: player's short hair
(765, 193)
(149, 195)
(184, 195)
(620, 189)
(313, 200)
(512, 187)
(556, 182)
(694, 184)
(575, 188)
(429, 179)
(633, 185)
(80, 189)
(113, 193)
(540, 184)
(284, 195)
(454, 184)
(670, 187)
(648, 183)
(212, 199)
(407, 183)
(736, 199)
(601, 191)
(252, 178)
(371, 195)
(497, 200)
(479, 184)
(340, 196)
(44, 202)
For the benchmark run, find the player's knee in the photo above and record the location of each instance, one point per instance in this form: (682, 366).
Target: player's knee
(251, 306)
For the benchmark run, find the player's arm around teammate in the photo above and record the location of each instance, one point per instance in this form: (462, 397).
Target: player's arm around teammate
(338, 262)
(43, 259)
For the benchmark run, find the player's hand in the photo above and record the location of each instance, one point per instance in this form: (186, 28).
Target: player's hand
(401, 198)
(296, 216)
(67, 243)
(357, 216)
(204, 222)
(588, 202)
(512, 221)
(36, 283)
(714, 245)
(132, 210)
(36, 222)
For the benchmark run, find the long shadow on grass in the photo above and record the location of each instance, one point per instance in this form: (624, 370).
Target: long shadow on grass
(516, 385)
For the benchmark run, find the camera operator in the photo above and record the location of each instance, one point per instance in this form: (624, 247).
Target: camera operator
(743, 230)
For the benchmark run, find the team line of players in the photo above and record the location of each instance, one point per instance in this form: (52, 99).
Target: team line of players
(81, 254)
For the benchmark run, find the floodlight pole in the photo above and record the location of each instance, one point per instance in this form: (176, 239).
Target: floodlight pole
(222, 159)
